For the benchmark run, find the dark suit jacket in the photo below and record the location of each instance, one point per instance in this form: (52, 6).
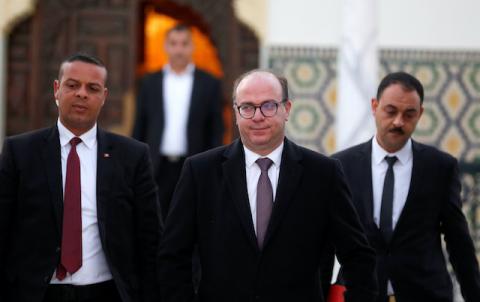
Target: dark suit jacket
(205, 125)
(210, 207)
(413, 260)
(31, 212)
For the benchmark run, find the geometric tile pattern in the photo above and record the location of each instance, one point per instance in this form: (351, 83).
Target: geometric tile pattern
(451, 120)
(311, 77)
(452, 95)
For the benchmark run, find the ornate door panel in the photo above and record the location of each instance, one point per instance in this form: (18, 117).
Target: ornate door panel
(59, 28)
(113, 31)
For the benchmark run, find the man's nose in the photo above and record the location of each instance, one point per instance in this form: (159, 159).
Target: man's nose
(258, 115)
(398, 121)
(82, 92)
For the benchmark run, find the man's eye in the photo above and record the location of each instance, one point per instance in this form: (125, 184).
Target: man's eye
(410, 114)
(268, 105)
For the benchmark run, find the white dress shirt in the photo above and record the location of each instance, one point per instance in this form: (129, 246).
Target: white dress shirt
(402, 169)
(253, 174)
(94, 265)
(177, 92)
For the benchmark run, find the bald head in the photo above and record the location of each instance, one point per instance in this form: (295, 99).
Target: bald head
(261, 75)
(261, 110)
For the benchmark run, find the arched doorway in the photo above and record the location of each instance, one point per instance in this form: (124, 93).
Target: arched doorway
(158, 17)
(153, 57)
(114, 31)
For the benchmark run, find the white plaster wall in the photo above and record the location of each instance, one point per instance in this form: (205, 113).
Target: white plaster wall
(303, 22)
(254, 14)
(438, 24)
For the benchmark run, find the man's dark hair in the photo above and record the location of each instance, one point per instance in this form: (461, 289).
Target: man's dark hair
(179, 27)
(408, 82)
(282, 80)
(81, 57)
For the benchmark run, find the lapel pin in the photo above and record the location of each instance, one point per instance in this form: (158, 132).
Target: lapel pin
(106, 155)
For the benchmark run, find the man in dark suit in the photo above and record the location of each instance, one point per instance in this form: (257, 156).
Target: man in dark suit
(407, 196)
(78, 222)
(179, 112)
(261, 210)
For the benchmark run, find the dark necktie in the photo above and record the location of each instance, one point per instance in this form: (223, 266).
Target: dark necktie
(264, 199)
(386, 211)
(71, 251)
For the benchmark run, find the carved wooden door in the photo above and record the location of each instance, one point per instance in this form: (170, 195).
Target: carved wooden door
(111, 30)
(105, 28)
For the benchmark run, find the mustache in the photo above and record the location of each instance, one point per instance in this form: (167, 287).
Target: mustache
(397, 130)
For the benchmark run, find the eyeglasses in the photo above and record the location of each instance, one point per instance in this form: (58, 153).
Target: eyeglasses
(268, 109)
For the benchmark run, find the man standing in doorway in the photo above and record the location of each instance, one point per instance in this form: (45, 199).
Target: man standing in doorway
(179, 112)
(407, 195)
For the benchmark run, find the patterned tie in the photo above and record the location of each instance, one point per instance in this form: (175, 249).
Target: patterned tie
(264, 199)
(71, 257)
(386, 210)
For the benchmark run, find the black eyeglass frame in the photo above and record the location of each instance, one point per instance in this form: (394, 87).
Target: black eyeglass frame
(259, 107)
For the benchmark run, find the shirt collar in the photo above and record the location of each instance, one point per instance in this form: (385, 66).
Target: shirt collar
(187, 71)
(404, 155)
(89, 138)
(275, 156)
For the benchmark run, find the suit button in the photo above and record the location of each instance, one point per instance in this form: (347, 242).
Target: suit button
(257, 298)
(57, 249)
(46, 279)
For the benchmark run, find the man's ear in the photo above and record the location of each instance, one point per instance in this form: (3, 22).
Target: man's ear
(288, 106)
(105, 94)
(374, 105)
(56, 87)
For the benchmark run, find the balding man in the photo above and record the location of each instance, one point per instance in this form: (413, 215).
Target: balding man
(260, 210)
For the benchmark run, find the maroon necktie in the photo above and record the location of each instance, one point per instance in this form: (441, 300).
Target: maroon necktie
(264, 199)
(71, 252)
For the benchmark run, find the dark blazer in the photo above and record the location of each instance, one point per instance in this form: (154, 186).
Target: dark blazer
(210, 207)
(413, 260)
(205, 125)
(31, 212)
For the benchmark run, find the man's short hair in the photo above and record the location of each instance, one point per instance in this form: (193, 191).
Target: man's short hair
(179, 27)
(282, 80)
(82, 57)
(408, 82)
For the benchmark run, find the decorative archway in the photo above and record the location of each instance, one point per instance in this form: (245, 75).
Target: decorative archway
(111, 30)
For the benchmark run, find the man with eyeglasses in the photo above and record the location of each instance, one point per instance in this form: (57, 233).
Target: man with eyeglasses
(262, 210)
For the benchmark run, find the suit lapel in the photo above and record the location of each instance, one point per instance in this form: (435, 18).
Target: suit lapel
(365, 180)
(288, 183)
(416, 179)
(234, 171)
(105, 163)
(195, 104)
(53, 167)
(157, 113)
